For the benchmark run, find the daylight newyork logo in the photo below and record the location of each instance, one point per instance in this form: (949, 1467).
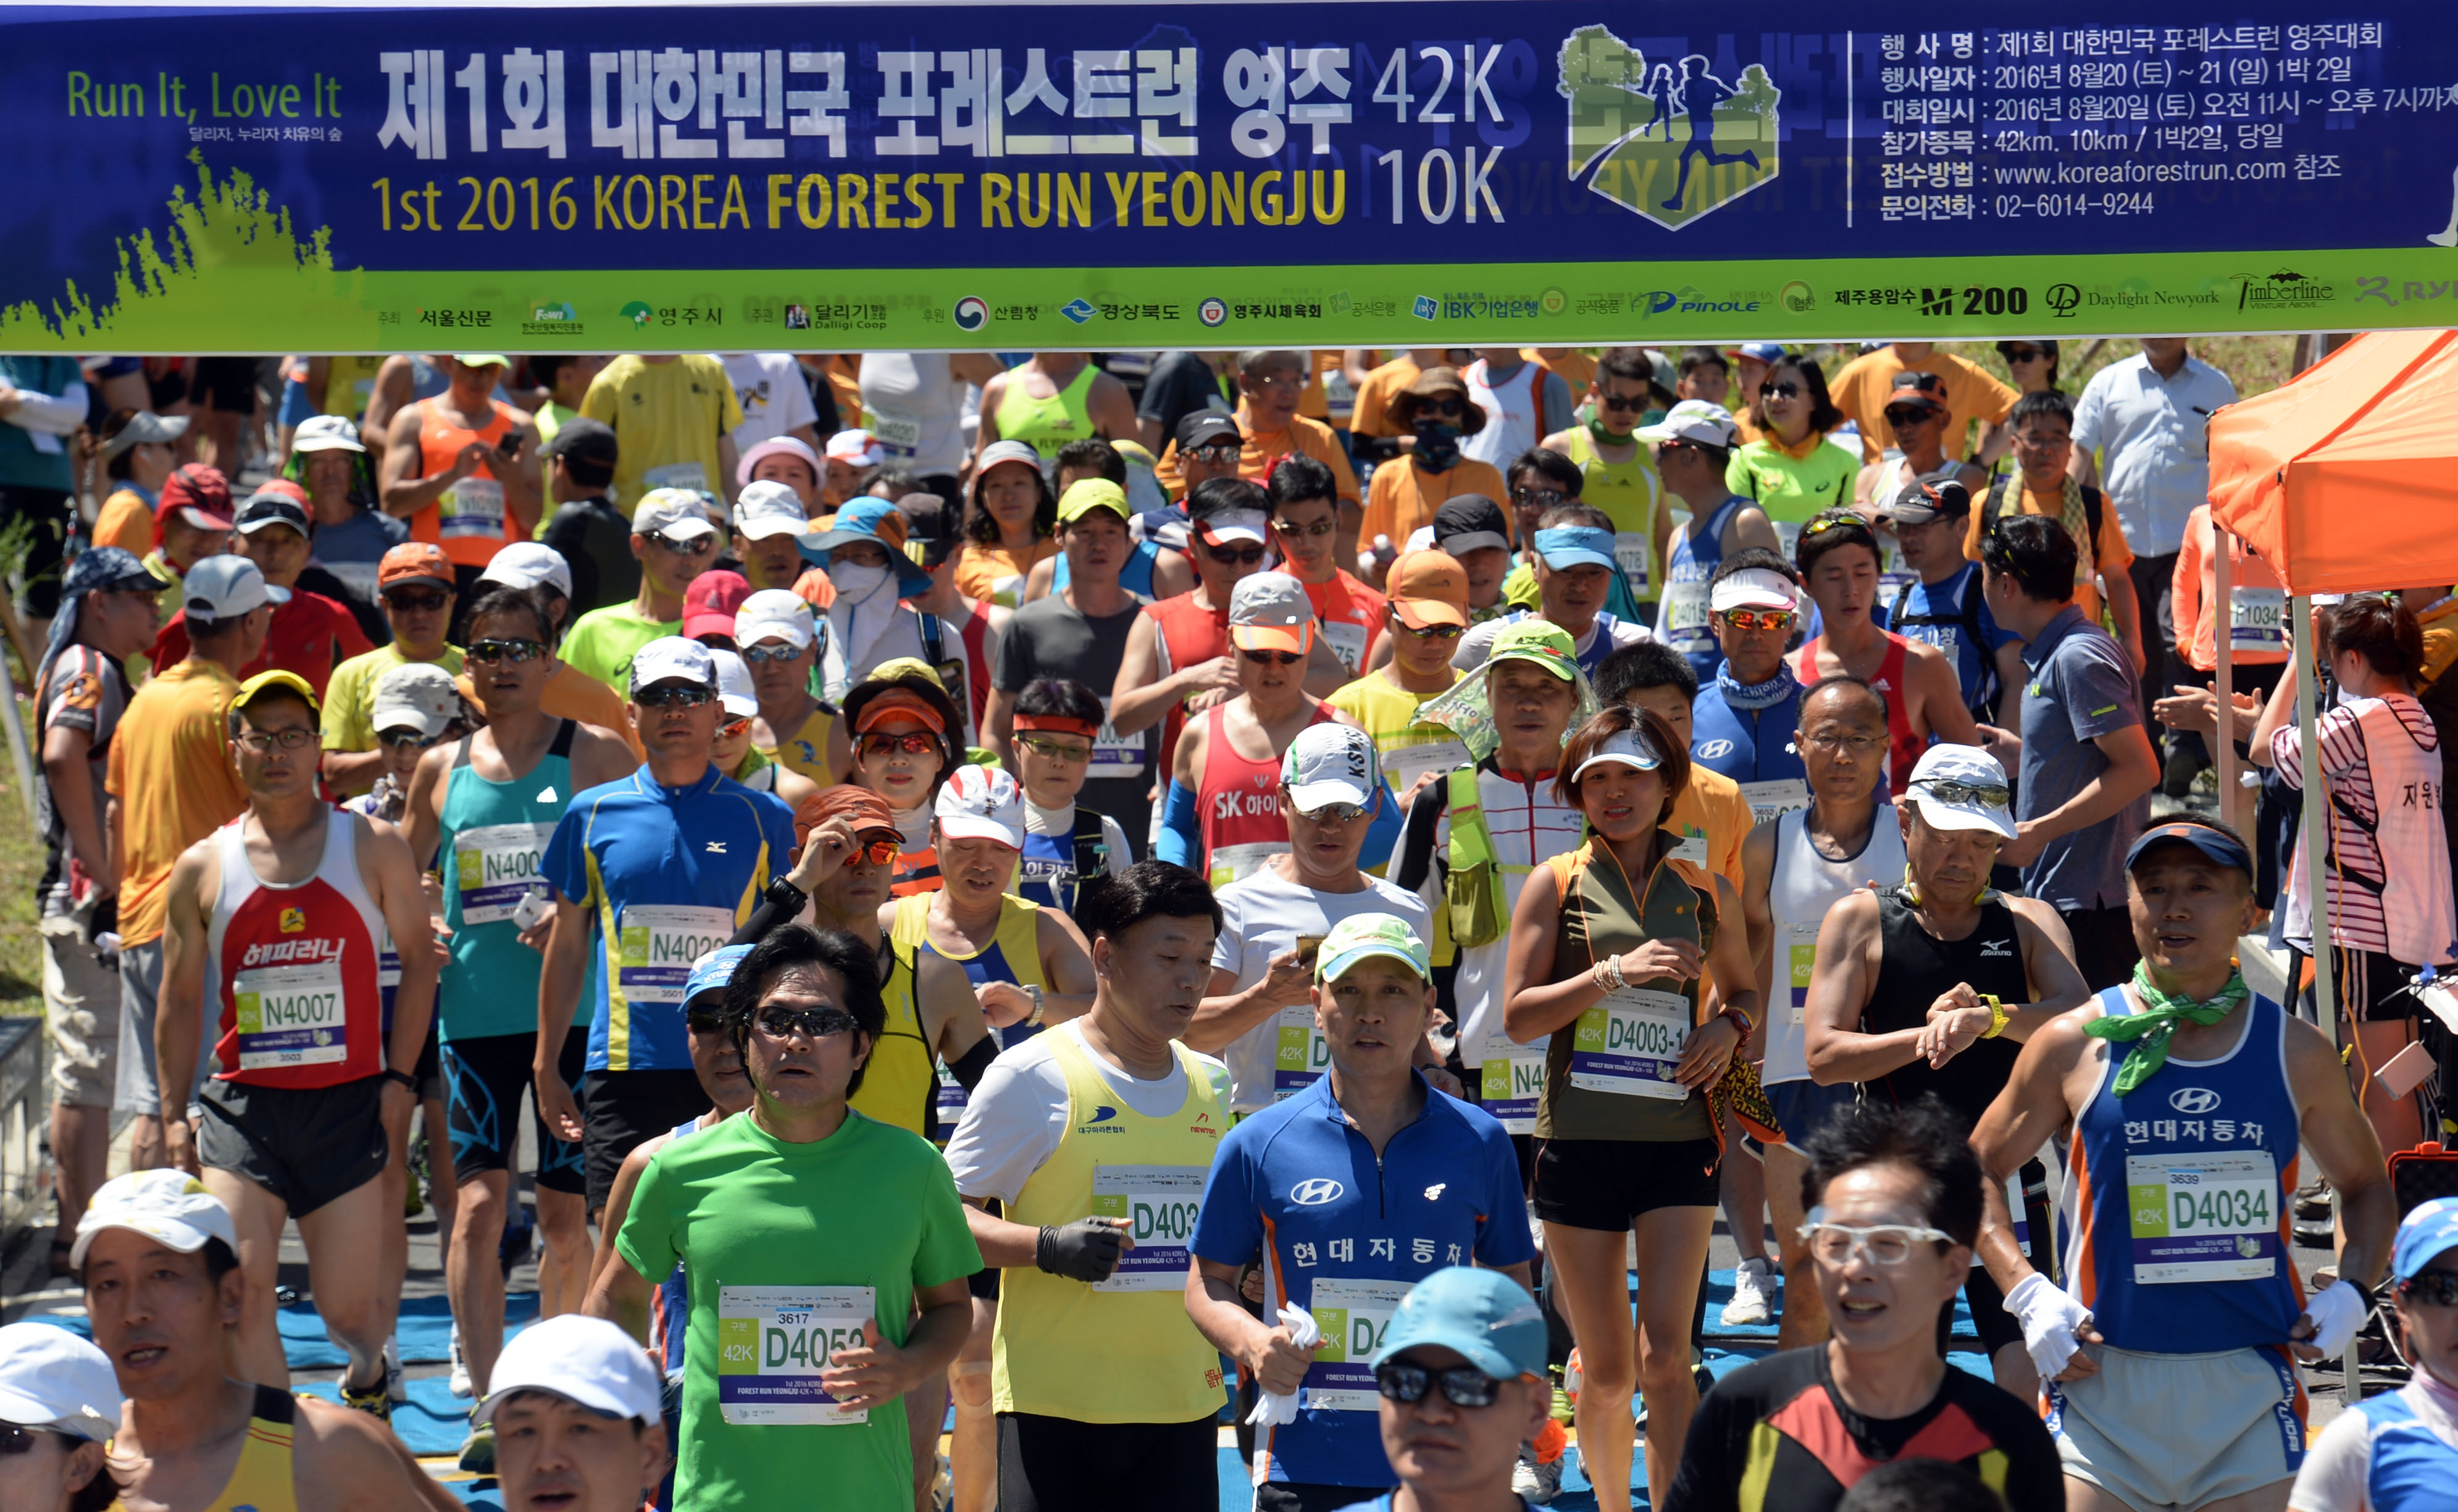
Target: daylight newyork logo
(1670, 142)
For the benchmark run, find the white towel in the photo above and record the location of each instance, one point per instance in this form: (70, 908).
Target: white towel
(1275, 1411)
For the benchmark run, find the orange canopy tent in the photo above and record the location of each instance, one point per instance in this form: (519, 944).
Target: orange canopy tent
(2346, 478)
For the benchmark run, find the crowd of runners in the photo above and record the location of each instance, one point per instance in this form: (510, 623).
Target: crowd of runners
(1043, 912)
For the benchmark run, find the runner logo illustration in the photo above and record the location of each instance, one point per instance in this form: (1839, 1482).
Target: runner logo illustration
(1669, 142)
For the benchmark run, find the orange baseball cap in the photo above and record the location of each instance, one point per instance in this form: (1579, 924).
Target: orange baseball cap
(897, 701)
(1428, 586)
(414, 561)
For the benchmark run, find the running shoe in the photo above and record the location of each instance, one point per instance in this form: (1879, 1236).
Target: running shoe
(478, 1455)
(460, 1384)
(1751, 1304)
(376, 1401)
(396, 1384)
(1535, 1480)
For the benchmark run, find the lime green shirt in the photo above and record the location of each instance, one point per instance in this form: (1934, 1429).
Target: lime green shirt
(350, 697)
(759, 1225)
(1790, 489)
(603, 642)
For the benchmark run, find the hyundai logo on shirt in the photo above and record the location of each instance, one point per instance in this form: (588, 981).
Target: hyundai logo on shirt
(1315, 1191)
(2191, 1100)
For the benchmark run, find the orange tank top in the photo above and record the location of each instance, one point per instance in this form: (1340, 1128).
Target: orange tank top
(469, 519)
(1192, 635)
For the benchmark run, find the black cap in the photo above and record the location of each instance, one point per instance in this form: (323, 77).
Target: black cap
(270, 509)
(1204, 427)
(926, 524)
(1920, 502)
(1471, 522)
(2217, 846)
(582, 438)
(1918, 389)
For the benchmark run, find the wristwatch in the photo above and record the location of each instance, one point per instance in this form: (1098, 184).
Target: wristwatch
(787, 895)
(1034, 992)
(393, 1074)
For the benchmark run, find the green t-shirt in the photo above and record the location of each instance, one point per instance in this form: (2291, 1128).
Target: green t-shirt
(1790, 489)
(603, 642)
(870, 1206)
(350, 697)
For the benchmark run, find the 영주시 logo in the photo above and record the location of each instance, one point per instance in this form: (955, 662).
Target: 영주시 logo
(972, 314)
(1669, 143)
(638, 312)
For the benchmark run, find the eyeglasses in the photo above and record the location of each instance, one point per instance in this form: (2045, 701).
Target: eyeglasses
(1760, 618)
(1335, 814)
(1054, 750)
(1439, 408)
(1247, 557)
(513, 651)
(762, 654)
(1273, 658)
(263, 740)
(1886, 1243)
(1539, 498)
(671, 696)
(1285, 382)
(1622, 403)
(1857, 744)
(1783, 390)
(694, 546)
(396, 740)
(2432, 1288)
(1321, 526)
(417, 601)
(915, 743)
(2041, 441)
(1214, 455)
(1990, 796)
(811, 1023)
(1463, 1385)
(1433, 631)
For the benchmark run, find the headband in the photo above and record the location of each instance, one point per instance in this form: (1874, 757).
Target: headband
(1059, 724)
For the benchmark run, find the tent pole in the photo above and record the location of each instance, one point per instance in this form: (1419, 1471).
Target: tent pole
(2224, 627)
(2315, 843)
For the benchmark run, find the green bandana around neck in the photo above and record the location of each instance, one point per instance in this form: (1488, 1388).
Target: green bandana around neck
(2157, 1023)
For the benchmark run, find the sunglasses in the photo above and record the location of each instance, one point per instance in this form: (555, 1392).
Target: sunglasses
(1462, 1385)
(1322, 527)
(396, 740)
(2432, 1288)
(762, 654)
(1214, 455)
(1440, 409)
(1886, 1243)
(1054, 750)
(670, 696)
(1990, 796)
(735, 727)
(1273, 658)
(2022, 354)
(425, 602)
(879, 853)
(513, 651)
(915, 743)
(1901, 415)
(1247, 557)
(697, 545)
(18, 1439)
(1433, 631)
(261, 741)
(811, 1023)
(1760, 618)
(703, 1022)
(1622, 403)
(1783, 390)
(1335, 814)
(1539, 498)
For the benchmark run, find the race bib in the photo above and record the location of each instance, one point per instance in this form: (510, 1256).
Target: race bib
(387, 975)
(1116, 754)
(660, 942)
(1353, 1315)
(1767, 799)
(471, 507)
(1230, 862)
(895, 432)
(1801, 955)
(2203, 1215)
(1692, 849)
(1347, 642)
(689, 475)
(1159, 1202)
(1404, 765)
(1302, 1055)
(1628, 1044)
(1685, 618)
(950, 1103)
(494, 866)
(290, 1015)
(2258, 620)
(773, 1341)
(1513, 1080)
(1339, 394)
(2020, 1208)
(1631, 553)
(1007, 591)
(1787, 533)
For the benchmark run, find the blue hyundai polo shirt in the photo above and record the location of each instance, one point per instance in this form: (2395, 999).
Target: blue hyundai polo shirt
(1345, 1236)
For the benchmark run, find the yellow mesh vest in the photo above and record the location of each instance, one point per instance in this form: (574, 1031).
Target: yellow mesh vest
(1063, 1349)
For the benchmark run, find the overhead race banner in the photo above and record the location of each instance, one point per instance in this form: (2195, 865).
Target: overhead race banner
(1093, 176)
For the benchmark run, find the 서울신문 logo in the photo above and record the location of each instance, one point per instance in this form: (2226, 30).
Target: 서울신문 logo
(1668, 141)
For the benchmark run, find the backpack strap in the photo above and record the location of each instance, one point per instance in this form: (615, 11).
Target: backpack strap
(1091, 846)
(935, 649)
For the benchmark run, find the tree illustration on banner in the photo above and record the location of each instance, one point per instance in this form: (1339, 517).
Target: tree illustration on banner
(1669, 142)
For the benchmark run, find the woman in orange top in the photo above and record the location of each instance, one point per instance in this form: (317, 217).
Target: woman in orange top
(1436, 412)
(1013, 527)
(137, 455)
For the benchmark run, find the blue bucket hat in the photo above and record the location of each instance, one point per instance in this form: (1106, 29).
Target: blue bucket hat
(879, 523)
